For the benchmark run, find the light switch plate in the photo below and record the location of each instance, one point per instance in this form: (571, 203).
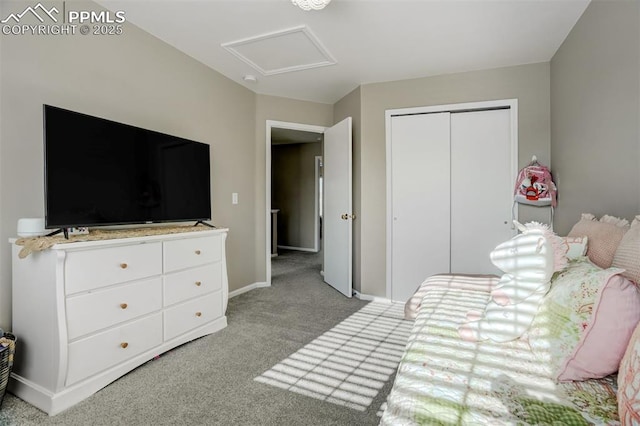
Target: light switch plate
(234, 198)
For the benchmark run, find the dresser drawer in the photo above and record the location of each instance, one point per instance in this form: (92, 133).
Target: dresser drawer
(90, 269)
(99, 309)
(192, 314)
(183, 285)
(189, 252)
(112, 347)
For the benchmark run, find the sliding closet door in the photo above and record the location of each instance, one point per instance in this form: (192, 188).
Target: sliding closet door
(419, 200)
(481, 188)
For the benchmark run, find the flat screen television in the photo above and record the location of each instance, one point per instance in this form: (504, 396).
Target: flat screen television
(99, 172)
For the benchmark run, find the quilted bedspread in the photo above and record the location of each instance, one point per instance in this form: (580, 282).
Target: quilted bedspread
(443, 380)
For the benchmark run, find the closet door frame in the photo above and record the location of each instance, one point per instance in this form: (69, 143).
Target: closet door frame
(511, 104)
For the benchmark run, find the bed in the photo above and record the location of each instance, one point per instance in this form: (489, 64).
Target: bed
(444, 379)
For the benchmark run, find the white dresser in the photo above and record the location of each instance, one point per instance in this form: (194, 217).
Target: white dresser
(86, 313)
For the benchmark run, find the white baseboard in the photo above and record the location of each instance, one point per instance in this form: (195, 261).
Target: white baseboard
(312, 250)
(370, 298)
(247, 288)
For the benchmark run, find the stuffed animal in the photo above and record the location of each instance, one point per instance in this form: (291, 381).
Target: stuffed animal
(528, 260)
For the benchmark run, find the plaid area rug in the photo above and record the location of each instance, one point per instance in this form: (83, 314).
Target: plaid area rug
(349, 364)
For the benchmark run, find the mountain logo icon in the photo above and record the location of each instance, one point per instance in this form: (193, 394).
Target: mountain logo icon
(33, 11)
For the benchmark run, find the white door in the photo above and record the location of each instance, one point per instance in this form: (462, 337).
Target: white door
(481, 188)
(420, 200)
(337, 215)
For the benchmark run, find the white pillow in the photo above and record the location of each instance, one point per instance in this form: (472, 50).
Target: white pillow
(577, 246)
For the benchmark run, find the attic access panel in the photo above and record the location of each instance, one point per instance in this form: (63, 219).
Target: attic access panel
(283, 51)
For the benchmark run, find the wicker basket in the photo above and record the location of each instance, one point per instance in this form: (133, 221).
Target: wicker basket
(7, 349)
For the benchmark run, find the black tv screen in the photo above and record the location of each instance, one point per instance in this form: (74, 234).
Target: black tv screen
(99, 172)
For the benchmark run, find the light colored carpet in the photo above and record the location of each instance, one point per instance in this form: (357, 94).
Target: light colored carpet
(210, 381)
(349, 364)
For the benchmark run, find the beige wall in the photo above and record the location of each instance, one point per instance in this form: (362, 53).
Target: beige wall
(528, 83)
(350, 106)
(293, 188)
(595, 95)
(278, 109)
(136, 79)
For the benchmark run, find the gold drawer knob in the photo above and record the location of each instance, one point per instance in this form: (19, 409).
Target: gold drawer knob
(198, 314)
(124, 265)
(124, 345)
(123, 305)
(198, 252)
(198, 283)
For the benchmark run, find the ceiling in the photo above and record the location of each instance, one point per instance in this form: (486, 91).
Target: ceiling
(369, 40)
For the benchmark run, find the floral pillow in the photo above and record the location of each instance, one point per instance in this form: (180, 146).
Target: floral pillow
(629, 382)
(614, 316)
(565, 312)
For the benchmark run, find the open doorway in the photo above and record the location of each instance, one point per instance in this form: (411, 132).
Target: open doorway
(337, 201)
(296, 200)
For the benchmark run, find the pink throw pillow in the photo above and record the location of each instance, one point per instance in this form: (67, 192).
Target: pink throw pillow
(616, 312)
(604, 237)
(629, 382)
